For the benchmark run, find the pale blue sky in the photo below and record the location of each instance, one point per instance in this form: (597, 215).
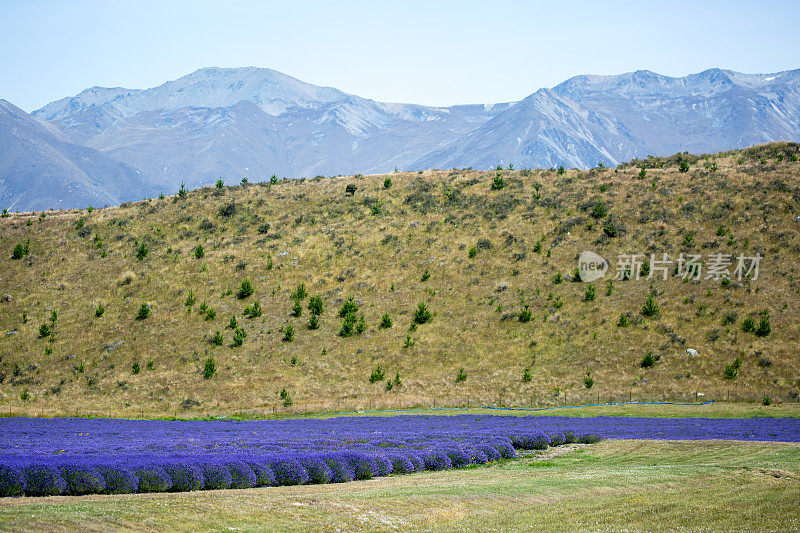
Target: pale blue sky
(427, 52)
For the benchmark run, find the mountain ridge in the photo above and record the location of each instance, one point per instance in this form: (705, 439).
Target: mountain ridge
(253, 122)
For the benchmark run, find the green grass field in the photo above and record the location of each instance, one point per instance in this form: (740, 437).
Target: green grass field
(610, 486)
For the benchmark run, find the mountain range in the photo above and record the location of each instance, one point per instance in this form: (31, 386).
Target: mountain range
(108, 145)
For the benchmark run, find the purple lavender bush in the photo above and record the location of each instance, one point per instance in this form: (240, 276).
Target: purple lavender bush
(242, 476)
(82, 478)
(289, 471)
(12, 481)
(119, 479)
(185, 475)
(216, 476)
(43, 479)
(152, 478)
(341, 469)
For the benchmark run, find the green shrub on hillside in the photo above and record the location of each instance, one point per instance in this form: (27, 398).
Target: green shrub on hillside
(611, 228)
(209, 368)
(245, 289)
(763, 329)
(253, 310)
(285, 397)
(361, 324)
(376, 375)
(348, 325)
(300, 292)
(143, 312)
(590, 293)
(216, 339)
(348, 307)
(20, 250)
(498, 183)
(315, 305)
(422, 314)
(141, 251)
(650, 307)
(239, 336)
(297, 309)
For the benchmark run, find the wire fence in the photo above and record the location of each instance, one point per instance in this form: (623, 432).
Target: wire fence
(564, 400)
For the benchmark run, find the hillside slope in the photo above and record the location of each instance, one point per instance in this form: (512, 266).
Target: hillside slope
(42, 169)
(487, 253)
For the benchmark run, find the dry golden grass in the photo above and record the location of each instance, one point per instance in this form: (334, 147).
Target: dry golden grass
(375, 246)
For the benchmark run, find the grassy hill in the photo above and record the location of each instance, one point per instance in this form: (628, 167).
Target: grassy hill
(478, 249)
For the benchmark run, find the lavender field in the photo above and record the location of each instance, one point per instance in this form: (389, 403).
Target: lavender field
(89, 456)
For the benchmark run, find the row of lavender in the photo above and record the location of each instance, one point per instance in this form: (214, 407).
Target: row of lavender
(81, 474)
(79, 456)
(73, 456)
